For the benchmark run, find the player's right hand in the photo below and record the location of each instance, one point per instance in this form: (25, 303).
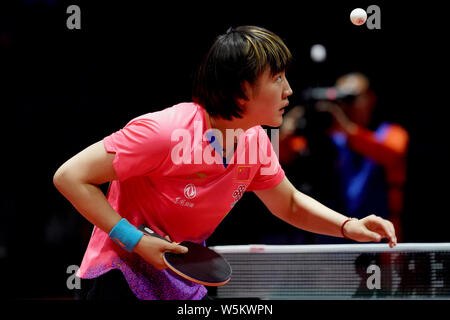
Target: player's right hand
(151, 249)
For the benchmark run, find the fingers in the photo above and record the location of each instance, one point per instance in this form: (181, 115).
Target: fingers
(175, 248)
(391, 234)
(169, 247)
(372, 236)
(152, 248)
(383, 228)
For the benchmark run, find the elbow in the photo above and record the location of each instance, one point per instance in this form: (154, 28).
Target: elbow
(63, 178)
(58, 178)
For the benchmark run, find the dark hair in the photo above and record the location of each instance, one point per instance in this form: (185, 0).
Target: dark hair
(239, 55)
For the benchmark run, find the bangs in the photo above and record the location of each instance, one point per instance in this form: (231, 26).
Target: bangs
(267, 49)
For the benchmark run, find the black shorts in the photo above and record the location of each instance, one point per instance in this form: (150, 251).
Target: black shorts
(109, 286)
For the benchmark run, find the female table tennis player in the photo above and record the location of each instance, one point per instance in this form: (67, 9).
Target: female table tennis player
(169, 172)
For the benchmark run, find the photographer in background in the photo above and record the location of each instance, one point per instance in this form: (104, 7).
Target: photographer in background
(367, 169)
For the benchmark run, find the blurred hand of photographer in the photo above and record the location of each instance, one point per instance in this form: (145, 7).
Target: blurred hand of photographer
(342, 122)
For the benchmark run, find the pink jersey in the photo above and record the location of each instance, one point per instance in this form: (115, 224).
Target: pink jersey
(173, 179)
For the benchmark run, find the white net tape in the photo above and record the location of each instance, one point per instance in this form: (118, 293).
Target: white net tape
(347, 271)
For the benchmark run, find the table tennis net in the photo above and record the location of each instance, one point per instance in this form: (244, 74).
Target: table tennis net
(344, 271)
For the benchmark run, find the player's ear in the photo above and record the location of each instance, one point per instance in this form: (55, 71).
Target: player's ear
(247, 89)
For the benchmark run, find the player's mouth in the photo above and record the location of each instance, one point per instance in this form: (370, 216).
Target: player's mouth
(282, 109)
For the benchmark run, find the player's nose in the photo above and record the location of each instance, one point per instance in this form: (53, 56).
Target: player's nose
(287, 91)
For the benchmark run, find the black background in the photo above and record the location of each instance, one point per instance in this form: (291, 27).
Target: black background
(64, 89)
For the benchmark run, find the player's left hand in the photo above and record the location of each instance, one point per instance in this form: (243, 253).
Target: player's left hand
(371, 228)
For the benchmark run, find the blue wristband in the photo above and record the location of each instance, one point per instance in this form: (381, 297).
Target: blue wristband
(125, 235)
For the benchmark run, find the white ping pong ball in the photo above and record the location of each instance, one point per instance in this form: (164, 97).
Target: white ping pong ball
(318, 53)
(358, 16)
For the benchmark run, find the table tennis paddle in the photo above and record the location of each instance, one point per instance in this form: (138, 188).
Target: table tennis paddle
(200, 264)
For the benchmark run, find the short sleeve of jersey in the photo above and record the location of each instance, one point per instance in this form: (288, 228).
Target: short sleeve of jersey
(140, 147)
(270, 173)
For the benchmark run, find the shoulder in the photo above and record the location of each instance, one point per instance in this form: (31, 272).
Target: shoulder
(167, 120)
(155, 128)
(174, 115)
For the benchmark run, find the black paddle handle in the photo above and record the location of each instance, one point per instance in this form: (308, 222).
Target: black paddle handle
(150, 232)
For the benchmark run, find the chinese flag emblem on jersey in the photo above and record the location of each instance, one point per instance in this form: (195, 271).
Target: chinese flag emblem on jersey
(243, 173)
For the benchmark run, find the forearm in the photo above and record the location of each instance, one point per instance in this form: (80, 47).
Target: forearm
(89, 200)
(308, 214)
(304, 212)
